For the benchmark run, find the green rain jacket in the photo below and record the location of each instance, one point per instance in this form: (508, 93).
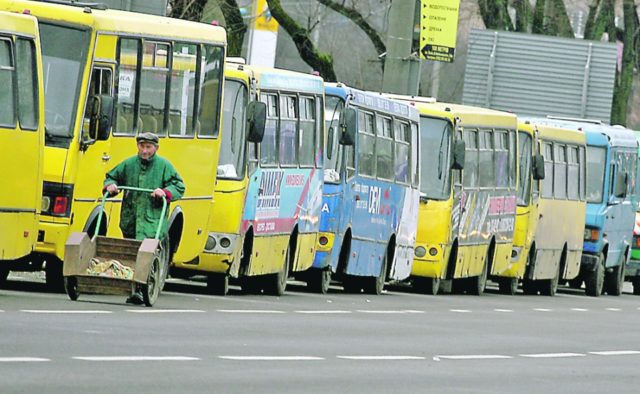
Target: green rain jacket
(140, 212)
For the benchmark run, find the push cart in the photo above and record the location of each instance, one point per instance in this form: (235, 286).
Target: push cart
(107, 265)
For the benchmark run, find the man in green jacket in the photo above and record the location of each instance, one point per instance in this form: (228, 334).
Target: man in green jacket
(141, 212)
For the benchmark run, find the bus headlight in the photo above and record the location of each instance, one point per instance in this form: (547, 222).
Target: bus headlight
(211, 243)
(591, 234)
(323, 240)
(225, 242)
(433, 252)
(420, 251)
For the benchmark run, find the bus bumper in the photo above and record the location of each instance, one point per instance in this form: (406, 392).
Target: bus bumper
(52, 238)
(588, 262)
(632, 268)
(324, 246)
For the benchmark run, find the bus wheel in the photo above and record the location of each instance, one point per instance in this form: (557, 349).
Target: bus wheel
(218, 284)
(277, 283)
(427, 285)
(594, 280)
(508, 286)
(614, 280)
(550, 286)
(375, 285)
(53, 274)
(478, 283)
(636, 285)
(529, 287)
(319, 280)
(71, 286)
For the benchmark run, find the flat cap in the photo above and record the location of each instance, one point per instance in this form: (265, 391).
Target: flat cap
(147, 137)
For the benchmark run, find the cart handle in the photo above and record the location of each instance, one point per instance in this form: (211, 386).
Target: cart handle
(134, 189)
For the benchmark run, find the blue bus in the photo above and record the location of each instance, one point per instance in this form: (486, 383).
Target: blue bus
(612, 153)
(371, 191)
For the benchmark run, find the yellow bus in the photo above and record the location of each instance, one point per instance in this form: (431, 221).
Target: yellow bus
(268, 197)
(109, 75)
(21, 138)
(547, 246)
(467, 193)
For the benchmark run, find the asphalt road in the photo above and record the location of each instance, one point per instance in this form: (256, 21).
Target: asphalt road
(304, 342)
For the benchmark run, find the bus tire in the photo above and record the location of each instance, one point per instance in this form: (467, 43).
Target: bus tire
(508, 286)
(476, 285)
(549, 287)
(636, 285)
(53, 274)
(71, 287)
(375, 284)
(614, 280)
(429, 286)
(276, 284)
(594, 280)
(319, 280)
(218, 284)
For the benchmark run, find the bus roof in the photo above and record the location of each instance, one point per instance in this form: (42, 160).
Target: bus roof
(552, 132)
(597, 133)
(115, 21)
(372, 100)
(286, 80)
(14, 23)
(231, 72)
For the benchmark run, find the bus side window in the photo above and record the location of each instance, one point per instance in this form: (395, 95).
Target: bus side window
(211, 92)
(268, 151)
(126, 111)
(366, 144)
(501, 162)
(384, 147)
(512, 158)
(547, 182)
(153, 88)
(402, 148)
(7, 76)
(182, 92)
(471, 159)
(288, 130)
(415, 158)
(485, 159)
(307, 144)
(27, 76)
(560, 172)
(573, 174)
(101, 84)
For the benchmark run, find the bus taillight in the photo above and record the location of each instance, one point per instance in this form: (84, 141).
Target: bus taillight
(60, 205)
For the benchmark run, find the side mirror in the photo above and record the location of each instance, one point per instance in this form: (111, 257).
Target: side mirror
(101, 117)
(621, 185)
(256, 120)
(348, 126)
(458, 155)
(538, 167)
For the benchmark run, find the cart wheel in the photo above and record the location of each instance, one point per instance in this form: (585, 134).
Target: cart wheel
(151, 290)
(71, 286)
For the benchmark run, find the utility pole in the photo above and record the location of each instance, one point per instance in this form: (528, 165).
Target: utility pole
(401, 68)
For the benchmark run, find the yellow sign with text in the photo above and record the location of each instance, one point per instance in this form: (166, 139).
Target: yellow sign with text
(264, 20)
(438, 29)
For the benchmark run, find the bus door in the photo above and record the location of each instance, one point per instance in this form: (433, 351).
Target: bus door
(20, 147)
(457, 208)
(96, 149)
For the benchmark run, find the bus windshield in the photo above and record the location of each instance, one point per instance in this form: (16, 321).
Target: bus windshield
(231, 164)
(435, 144)
(524, 181)
(595, 173)
(332, 109)
(64, 53)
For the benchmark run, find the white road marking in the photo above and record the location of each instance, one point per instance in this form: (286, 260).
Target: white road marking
(327, 312)
(472, 357)
(412, 311)
(616, 353)
(22, 359)
(614, 309)
(249, 311)
(503, 310)
(64, 312)
(135, 358)
(542, 310)
(151, 310)
(381, 312)
(552, 355)
(579, 309)
(271, 358)
(376, 358)
(460, 310)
